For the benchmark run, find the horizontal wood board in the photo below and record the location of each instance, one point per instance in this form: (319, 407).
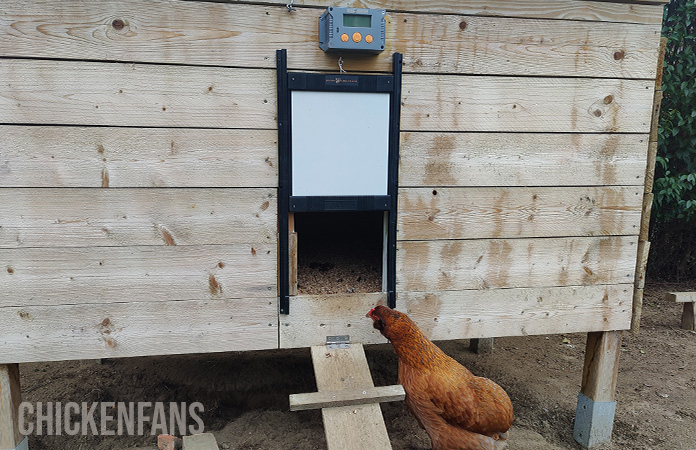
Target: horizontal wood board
(87, 93)
(475, 103)
(505, 263)
(463, 314)
(313, 317)
(635, 11)
(58, 156)
(521, 159)
(475, 213)
(87, 331)
(55, 276)
(85, 217)
(245, 35)
(91, 93)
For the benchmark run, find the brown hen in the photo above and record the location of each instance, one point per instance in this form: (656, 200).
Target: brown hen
(458, 410)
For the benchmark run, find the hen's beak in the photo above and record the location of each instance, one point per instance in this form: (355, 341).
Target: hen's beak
(369, 314)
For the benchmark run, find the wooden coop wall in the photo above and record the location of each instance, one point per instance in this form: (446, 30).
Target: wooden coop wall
(138, 171)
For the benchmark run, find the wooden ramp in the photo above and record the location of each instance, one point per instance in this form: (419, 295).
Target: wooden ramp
(348, 399)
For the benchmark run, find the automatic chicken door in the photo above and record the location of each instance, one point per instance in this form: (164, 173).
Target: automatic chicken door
(338, 138)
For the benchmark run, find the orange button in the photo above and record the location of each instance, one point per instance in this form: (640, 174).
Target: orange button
(368, 39)
(344, 37)
(357, 37)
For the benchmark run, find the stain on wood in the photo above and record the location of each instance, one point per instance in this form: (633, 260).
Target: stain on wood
(214, 286)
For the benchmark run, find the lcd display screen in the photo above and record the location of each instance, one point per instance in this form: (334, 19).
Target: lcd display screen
(357, 20)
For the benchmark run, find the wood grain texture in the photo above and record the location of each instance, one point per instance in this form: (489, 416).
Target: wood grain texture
(645, 219)
(247, 36)
(10, 399)
(625, 11)
(346, 397)
(641, 263)
(131, 217)
(313, 317)
(637, 310)
(97, 330)
(601, 365)
(466, 314)
(38, 276)
(650, 168)
(507, 263)
(474, 213)
(521, 159)
(348, 427)
(51, 156)
(89, 93)
(475, 103)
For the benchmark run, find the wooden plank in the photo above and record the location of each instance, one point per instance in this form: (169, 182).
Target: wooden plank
(50, 156)
(313, 317)
(641, 263)
(682, 297)
(38, 276)
(650, 168)
(98, 330)
(601, 365)
(507, 263)
(129, 217)
(90, 93)
(346, 397)
(204, 441)
(472, 213)
(484, 159)
(467, 314)
(632, 11)
(292, 245)
(637, 310)
(247, 35)
(645, 219)
(475, 103)
(10, 398)
(348, 427)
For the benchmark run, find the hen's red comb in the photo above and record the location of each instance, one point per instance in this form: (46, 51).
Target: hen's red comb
(369, 314)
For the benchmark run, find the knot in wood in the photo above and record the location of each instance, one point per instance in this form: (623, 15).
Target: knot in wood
(118, 24)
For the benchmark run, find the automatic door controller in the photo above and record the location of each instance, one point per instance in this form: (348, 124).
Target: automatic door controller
(352, 30)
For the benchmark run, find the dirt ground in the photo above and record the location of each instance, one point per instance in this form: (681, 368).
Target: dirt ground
(245, 395)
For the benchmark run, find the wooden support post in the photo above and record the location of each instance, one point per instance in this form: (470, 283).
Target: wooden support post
(594, 417)
(688, 321)
(10, 398)
(648, 196)
(481, 345)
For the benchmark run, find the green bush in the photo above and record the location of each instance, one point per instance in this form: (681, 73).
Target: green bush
(674, 210)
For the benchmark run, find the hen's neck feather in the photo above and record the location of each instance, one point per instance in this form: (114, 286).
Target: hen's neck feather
(415, 350)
